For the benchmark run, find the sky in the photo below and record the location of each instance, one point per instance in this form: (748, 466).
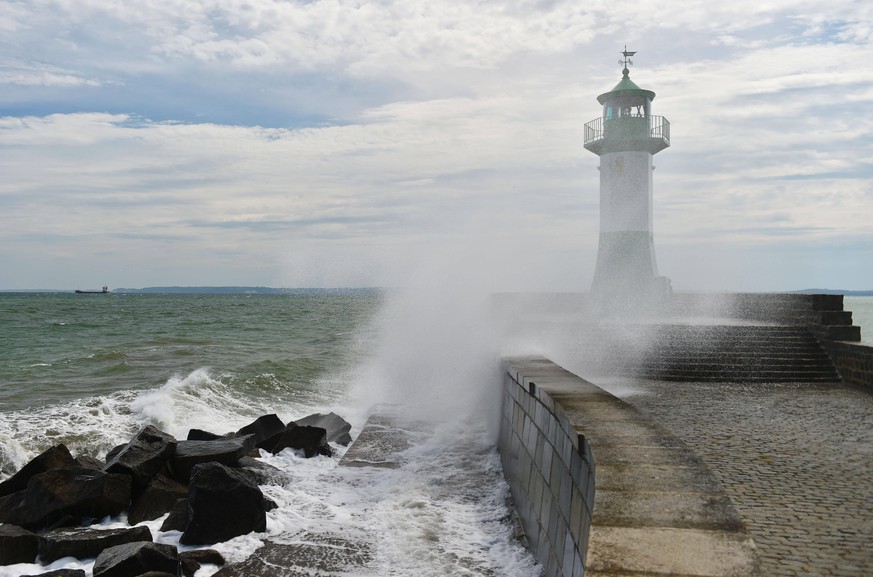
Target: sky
(325, 143)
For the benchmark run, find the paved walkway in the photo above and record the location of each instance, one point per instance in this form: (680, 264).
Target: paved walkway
(797, 461)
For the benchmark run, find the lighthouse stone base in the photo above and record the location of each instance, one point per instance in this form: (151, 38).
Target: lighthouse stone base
(626, 274)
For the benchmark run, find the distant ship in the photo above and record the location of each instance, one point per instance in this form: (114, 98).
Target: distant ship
(100, 292)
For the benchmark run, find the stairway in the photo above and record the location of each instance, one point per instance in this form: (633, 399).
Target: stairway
(714, 353)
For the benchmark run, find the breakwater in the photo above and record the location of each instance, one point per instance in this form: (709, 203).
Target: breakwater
(657, 509)
(603, 489)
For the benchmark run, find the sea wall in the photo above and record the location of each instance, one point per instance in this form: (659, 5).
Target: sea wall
(659, 510)
(550, 470)
(854, 362)
(822, 314)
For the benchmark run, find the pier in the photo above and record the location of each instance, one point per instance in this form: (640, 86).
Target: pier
(741, 445)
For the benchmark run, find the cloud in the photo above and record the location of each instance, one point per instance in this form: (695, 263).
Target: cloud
(229, 134)
(34, 75)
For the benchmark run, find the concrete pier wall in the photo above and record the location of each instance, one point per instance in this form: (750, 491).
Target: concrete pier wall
(550, 470)
(657, 509)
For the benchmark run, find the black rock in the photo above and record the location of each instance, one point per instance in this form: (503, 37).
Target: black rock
(60, 573)
(311, 440)
(65, 497)
(13, 510)
(266, 429)
(84, 543)
(261, 473)
(177, 520)
(113, 452)
(57, 457)
(192, 560)
(200, 435)
(270, 505)
(222, 504)
(191, 453)
(144, 456)
(337, 428)
(134, 559)
(204, 556)
(89, 462)
(17, 545)
(158, 498)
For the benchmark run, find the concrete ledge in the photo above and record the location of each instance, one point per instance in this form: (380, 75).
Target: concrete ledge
(648, 505)
(383, 440)
(669, 551)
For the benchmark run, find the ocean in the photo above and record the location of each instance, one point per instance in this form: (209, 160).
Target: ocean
(91, 370)
(862, 315)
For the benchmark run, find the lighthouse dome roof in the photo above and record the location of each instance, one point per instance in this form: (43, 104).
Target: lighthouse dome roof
(625, 87)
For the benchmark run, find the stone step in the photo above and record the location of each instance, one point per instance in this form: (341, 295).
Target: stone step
(715, 353)
(756, 363)
(737, 376)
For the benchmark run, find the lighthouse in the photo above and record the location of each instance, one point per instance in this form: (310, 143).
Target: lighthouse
(625, 137)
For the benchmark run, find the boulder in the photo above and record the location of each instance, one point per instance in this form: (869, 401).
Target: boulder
(178, 517)
(261, 473)
(65, 497)
(158, 498)
(57, 457)
(13, 510)
(113, 452)
(200, 435)
(84, 543)
(311, 440)
(192, 560)
(222, 504)
(270, 505)
(17, 545)
(89, 462)
(337, 428)
(266, 430)
(60, 573)
(133, 559)
(144, 456)
(192, 453)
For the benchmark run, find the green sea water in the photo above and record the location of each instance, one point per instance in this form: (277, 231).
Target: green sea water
(58, 347)
(862, 315)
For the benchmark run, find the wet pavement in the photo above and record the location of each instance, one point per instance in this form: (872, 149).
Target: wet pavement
(795, 459)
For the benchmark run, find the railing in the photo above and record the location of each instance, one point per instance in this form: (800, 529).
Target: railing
(597, 129)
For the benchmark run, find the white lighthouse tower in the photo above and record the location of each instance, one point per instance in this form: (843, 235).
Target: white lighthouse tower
(625, 137)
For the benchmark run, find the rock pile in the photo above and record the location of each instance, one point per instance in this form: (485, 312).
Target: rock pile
(207, 483)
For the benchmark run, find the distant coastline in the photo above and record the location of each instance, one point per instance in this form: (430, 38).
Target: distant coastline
(335, 291)
(867, 293)
(248, 290)
(220, 290)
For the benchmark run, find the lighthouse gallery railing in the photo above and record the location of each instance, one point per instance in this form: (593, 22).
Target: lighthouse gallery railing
(658, 127)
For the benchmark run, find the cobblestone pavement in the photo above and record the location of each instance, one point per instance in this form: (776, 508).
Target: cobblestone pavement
(796, 459)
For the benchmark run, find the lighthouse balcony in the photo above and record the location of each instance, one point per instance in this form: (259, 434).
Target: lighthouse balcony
(645, 133)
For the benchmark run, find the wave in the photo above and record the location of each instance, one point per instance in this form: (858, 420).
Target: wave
(200, 399)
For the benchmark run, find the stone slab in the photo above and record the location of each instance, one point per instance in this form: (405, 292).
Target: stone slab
(317, 555)
(382, 441)
(671, 478)
(670, 551)
(665, 509)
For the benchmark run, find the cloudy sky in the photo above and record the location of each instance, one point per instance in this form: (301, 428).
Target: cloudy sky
(346, 142)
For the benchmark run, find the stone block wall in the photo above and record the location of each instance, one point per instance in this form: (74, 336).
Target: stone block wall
(854, 361)
(550, 469)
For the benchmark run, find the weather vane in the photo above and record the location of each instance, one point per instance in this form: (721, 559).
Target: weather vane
(626, 61)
